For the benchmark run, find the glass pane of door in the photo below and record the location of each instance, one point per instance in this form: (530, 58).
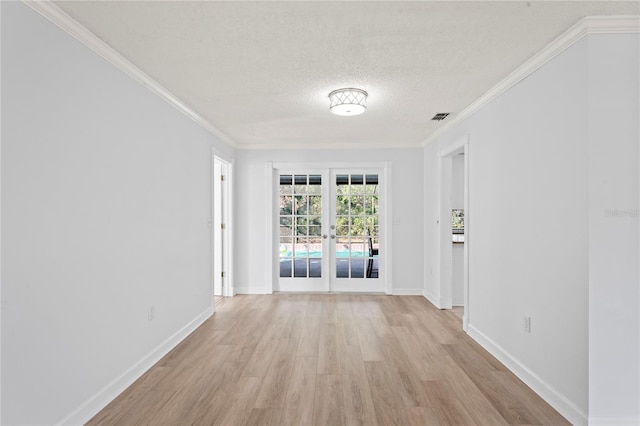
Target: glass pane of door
(356, 249)
(300, 235)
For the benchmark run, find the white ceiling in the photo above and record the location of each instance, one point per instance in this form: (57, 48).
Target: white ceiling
(260, 72)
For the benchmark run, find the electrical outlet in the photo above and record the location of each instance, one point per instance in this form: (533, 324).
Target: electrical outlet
(527, 324)
(151, 314)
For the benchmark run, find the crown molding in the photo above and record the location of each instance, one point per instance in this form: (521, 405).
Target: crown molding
(327, 145)
(76, 30)
(629, 24)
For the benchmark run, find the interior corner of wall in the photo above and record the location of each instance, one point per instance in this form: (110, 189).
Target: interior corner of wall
(435, 301)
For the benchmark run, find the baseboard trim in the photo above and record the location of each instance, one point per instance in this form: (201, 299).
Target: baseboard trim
(395, 292)
(250, 290)
(544, 390)
(614, 421)
(435, 301)
(93, 405)
(407, 292)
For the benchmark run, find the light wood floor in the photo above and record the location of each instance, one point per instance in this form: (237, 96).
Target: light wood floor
(328, 360)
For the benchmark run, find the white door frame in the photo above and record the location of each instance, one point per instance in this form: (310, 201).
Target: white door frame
(445, 300)
(221, 236)
(272, 218)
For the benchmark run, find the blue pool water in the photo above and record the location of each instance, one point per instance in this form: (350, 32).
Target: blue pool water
(318, 254)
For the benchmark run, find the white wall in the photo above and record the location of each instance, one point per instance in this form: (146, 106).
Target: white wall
(251, 229)
(431, 207)
(528, 172)
(105, 201)
(614, 289)
(535, 165)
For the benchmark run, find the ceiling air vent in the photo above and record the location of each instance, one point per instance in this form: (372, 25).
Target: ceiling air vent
(440, 116)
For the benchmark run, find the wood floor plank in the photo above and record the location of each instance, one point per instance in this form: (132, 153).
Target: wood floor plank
(244, 326)
(189, 371)
(310, 338)
(402, 371)
(276, 380)
(358, 402)
(300, 398)
(174, 410)
(294, 326)
(447, 409)
(239, 356)
(328, 359)
(243, 397)
(328, 403)
(216, 394)
(359, 408)
(482, 375)
(351, 360)
(263, 353)
(329, 309)
(422, 335)
(264, 417)
(347, 329)
(364, 306)
(467, 358)
(385, 393)
(477, 403)
(481, 352)
(130, 410)
(419, 357)
(433, 367)
(423, 416)
(523, 398)
(370, 345)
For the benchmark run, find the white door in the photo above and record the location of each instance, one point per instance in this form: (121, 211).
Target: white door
(220, 222)
(329, 230)
(355, 231)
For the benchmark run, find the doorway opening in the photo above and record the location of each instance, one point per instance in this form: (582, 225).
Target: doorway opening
(454, 229)
(457, 231)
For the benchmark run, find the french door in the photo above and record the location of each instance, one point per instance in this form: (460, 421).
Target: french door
(329, 232)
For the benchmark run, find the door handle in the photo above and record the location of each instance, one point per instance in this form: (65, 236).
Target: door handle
(333, 237)
(324, 236)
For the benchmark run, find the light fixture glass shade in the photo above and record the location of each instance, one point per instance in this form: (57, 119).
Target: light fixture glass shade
(348, 101)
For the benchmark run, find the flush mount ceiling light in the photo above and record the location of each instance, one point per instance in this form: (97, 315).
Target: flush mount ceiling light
(348, 101)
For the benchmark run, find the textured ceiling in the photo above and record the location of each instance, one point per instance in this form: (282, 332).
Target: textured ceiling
(260, 72)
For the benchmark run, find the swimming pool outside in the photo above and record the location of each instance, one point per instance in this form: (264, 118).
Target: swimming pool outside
(318, 254)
